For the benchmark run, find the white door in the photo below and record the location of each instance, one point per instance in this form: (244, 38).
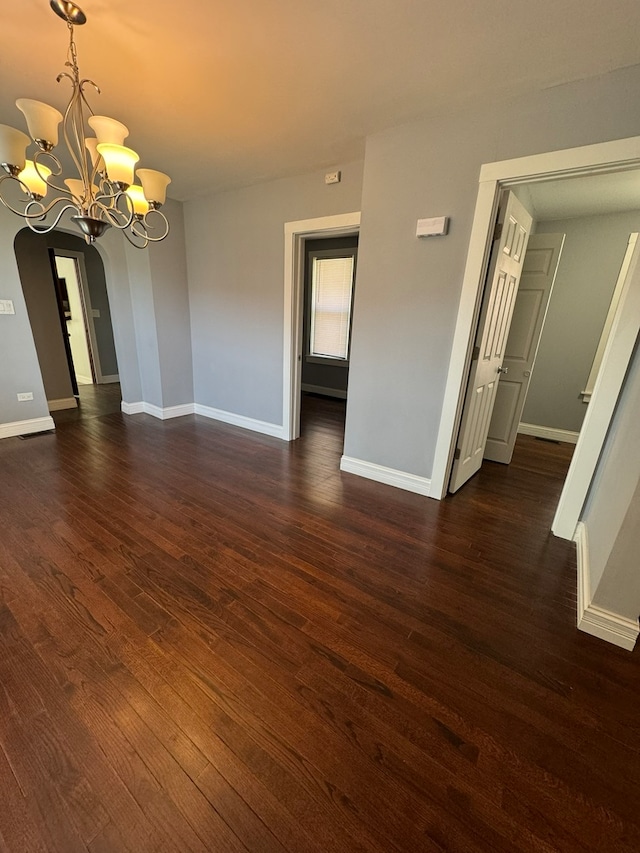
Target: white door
(536, 283)
(512, 236)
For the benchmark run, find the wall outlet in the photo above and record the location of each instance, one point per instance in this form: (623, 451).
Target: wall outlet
(24, 396)
(332, 177)
(6, 306)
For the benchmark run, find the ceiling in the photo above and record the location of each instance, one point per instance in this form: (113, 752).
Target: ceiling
(592, 195)
(221, 95)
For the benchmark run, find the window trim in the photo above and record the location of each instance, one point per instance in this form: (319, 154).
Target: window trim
(329, 253)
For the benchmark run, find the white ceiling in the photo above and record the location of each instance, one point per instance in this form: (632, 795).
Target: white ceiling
(592, 195)
(228, 94)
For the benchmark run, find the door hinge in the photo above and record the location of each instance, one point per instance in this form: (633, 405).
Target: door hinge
(497, 231)
(476, 354)
(456, 455)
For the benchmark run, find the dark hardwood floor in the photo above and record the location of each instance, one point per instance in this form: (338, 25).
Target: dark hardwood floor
(211, 640)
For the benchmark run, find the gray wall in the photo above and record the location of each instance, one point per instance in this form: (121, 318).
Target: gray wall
(19, 368)
(612, 509)
(235, 256)
(589, 267)
(407, 290)
(168, 268)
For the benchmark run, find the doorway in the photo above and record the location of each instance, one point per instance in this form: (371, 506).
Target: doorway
(44, 259)
(596, 159)
(296, 236)
(73, 307)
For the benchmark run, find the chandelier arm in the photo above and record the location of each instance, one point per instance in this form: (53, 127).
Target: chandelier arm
(145, 239)
(81, 153)
(57, 170)
(112, 213)
(42, 210)
(147, 227)
(45, 229)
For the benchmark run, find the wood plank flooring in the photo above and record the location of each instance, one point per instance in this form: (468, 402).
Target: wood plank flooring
(211, 640)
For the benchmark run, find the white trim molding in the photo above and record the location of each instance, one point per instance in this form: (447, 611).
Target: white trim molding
(388, 476)
(264, 427)
(328, 392)
(252, 424)
(13, 428)
(594, 620)
(605, 625)
(295, 233)
(62, 403)
(132, 408)
(551, 433)
(109, 378)
(156, 411)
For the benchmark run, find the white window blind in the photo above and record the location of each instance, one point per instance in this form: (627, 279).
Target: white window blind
(331, 285)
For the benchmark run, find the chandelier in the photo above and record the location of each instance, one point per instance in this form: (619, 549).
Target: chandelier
(102, 192)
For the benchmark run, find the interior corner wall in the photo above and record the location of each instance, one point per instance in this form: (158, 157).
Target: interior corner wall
(612, 504)
(168, 268)
(408, 289)
(235, 260)
(144, 324)
(591, 259)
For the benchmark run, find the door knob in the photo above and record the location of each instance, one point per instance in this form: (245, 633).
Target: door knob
(503, 370)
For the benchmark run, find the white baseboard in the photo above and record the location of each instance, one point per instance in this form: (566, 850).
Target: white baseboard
(275, 430)
(584, 576)
(84, 380)
(328, 392)
(132, 408)
(156, 411)
(549, 432)
(389, 476)
(594, 620)
(263, 427)
(62, 403)
(611, 627)
(14, 428)
(109, 378)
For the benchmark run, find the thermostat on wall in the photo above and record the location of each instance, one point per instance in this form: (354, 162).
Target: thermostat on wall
(437, 226)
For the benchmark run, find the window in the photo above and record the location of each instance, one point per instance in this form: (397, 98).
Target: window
(331, 298)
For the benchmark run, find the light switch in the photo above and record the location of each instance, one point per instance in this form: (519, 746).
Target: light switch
(6, 306)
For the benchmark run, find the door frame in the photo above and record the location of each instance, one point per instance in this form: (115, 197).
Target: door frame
(87, 311)
(295, 235)
(615, 156)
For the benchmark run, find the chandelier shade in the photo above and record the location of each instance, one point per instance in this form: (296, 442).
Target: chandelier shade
(119, 162)
(154, 185)
(42, 121)
(140, 203)
(35, 179)
(13, 149)
(108, 130)
(102, 193)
